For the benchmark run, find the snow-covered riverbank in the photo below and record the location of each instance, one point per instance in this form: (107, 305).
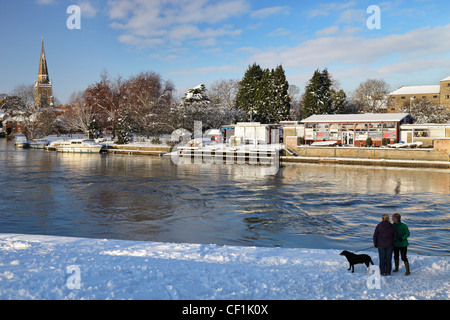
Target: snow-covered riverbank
(47, 267)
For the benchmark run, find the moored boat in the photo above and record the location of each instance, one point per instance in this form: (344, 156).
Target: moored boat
(38, 143)
(20, 141)
(79, 146)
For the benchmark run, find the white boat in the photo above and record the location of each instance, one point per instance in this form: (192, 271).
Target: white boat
(399, 145)
(79, 146)
(324, 144)
(38, 143)
(20, 141)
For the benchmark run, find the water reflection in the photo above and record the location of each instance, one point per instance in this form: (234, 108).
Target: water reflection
(145, 198)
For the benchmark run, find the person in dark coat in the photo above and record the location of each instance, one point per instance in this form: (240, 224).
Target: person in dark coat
(383, 239)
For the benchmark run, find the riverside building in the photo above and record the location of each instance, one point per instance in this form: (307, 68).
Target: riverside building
(354, 129)
(437, 94)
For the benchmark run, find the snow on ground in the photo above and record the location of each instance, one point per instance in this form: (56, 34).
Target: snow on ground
(48, 267)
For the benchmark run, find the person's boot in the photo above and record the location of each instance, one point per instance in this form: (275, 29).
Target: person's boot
(408, 272)
(396, 263)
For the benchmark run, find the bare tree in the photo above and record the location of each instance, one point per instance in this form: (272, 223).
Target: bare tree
(224, 92)
(370, 96)
(149, 98)
(40, 123)
(26, 93)
(78, 115)
(105, 97)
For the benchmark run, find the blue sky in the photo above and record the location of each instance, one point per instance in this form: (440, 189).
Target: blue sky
(200, 41)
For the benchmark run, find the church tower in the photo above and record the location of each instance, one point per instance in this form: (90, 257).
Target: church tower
(43, 90)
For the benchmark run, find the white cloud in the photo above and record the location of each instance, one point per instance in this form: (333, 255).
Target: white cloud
(139, 41)
(266, 12)
(119, 9)
(45, 2)
(165, 58)
(208, 70)
(151, 22)
(349, 20)
(357, 50)
(337, 31)
(280, 32)
(87, 9)
(326, 9)
(419, 64)
(352, 16)
(333, 30)
(352, 58)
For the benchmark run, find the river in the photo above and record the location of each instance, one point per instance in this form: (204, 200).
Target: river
(151, 199)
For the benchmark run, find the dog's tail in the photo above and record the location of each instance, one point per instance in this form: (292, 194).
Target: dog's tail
(371, 261)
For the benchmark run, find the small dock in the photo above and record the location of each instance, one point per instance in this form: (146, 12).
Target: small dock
(251, 156)
(137, 150)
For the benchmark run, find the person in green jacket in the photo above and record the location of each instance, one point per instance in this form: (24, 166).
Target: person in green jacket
(401, 243)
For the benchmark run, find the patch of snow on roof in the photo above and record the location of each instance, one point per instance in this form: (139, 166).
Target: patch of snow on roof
(446, 79)
(366, 117)
(417, 90)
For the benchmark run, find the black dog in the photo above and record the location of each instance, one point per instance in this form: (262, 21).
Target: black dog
(356, 258)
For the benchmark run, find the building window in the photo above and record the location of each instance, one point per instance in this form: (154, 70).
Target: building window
(420, 133)
(375, 130)
(447, 96)
(403, 97)
(435, 97)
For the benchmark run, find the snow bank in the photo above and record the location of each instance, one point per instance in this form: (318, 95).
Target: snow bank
(48, 267)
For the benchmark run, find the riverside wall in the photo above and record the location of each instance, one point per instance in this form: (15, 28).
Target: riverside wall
(414, 158)
(370, 156)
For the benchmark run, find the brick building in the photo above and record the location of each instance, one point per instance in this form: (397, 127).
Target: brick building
(437, 94)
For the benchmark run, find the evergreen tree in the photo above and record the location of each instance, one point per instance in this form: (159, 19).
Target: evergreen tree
(124, 128)
(262, 104)
(196, 107)
(93, 132)
(281, 101)
(317, 98)
(247, 96)
(322, 97)
(263, 95)
(339, 103)
(197, 94)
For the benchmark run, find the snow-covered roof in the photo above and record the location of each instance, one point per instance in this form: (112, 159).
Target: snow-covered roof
(417, 90)
(363, 117)
(446, 79)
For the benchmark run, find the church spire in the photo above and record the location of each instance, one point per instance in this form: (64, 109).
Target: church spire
(43, 71)
(43, 89)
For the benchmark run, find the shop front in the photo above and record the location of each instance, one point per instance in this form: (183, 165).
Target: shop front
(355, 129)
